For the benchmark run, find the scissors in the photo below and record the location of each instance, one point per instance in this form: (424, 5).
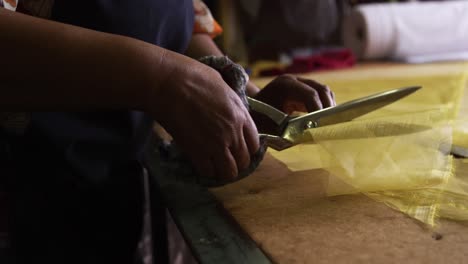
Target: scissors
(289, 127)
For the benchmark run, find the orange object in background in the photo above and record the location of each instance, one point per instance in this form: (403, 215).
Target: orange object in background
(204, 21)
(291, 106)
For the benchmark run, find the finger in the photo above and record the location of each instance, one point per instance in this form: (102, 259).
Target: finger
(225, 164)
(333, 96)
(240, 152)
(251, 136)
(306, 94)
(324, 92)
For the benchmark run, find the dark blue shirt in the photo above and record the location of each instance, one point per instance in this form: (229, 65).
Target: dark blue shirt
(92, 143)
(76, 185)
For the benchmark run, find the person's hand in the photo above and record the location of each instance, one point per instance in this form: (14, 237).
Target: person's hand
(206, 119)
(289, 93)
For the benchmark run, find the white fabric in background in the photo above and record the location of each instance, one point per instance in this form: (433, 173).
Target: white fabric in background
(8, 5)
(413, 32)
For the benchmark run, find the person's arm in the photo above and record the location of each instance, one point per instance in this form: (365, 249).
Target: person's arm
(51, 66)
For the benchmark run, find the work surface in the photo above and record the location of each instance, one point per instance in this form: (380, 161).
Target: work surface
(290, 218)
(292, 221)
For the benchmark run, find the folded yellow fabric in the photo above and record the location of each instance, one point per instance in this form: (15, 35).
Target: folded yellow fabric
(400, 154)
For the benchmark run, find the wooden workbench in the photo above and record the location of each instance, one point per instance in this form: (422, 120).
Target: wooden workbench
(277, 215)
(288, 215)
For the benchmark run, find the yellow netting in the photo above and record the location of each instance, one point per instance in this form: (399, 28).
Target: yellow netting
(400, 154)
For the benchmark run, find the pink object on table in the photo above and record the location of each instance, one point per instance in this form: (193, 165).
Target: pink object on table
(326, 60)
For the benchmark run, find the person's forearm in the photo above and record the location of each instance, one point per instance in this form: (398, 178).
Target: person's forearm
(202, 45)
(46, 65)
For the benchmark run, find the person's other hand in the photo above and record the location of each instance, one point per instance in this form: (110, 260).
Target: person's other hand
(289, 93)
(206, 119)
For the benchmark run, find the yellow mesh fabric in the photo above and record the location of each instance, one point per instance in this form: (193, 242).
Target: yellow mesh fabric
(400, 154)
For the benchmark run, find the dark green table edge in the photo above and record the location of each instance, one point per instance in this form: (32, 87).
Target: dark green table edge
(210, 231)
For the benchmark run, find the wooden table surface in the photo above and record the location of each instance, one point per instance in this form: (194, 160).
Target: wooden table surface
(291, 219)
(287, 217)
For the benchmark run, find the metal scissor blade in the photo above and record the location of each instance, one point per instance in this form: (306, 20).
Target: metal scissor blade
(346, 111)
(274, 114)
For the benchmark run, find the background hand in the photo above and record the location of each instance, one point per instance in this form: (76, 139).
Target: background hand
(289, 93)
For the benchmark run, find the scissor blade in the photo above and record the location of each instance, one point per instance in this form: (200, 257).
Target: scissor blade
(274, 114)
(346, 111)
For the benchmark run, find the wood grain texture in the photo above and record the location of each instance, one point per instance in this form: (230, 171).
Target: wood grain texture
(292, 220)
